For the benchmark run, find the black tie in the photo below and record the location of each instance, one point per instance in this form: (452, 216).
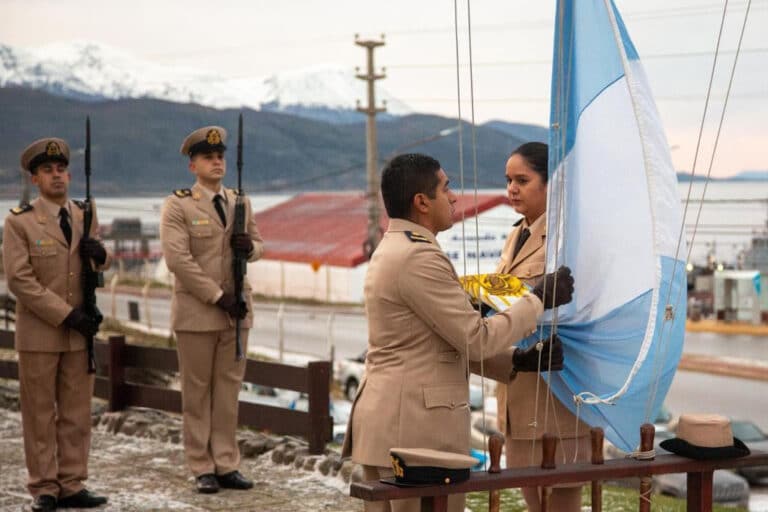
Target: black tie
(524, 234)
(64, 223)
(217, 199)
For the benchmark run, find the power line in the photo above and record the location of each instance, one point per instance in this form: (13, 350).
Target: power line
(531, 62)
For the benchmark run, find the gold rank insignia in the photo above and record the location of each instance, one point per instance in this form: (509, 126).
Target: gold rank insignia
(213, 137)
(417, 237)
(52, 149)
(17, 210)
(396, 467)
(182, 192)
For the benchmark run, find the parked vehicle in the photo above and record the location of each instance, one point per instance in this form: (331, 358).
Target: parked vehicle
(755, 439)
(349, 373)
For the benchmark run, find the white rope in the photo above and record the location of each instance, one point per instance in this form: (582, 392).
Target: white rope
(561, 126)
(662, 345)
(477, 220)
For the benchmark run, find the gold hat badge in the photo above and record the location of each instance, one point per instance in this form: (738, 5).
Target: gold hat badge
(213, 137)
(52, 149)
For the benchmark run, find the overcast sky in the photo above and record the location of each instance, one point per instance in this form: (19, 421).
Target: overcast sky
(511, 49)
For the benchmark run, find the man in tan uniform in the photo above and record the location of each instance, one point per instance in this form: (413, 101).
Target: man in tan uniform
(422, 329)
(42, 256)
(198, 243)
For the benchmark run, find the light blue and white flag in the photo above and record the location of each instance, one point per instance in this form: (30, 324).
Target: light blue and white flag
(614, 217)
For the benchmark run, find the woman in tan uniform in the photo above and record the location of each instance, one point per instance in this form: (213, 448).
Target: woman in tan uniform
(521, 421)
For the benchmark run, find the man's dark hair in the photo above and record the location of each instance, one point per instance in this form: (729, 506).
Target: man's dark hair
(536, 155)
(404, 177)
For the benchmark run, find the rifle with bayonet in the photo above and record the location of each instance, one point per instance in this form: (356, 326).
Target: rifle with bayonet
(91, 278)
(239, 259)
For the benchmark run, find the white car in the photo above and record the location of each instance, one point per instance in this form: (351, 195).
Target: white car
(349, 373)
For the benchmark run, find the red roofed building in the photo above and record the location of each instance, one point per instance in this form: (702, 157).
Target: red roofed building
(330, 229)
(314, 243)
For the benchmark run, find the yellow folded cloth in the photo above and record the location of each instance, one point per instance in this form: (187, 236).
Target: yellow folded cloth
(498, 291)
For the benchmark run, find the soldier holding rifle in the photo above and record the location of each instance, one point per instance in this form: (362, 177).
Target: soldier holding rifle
(203, 243)
(45, 253)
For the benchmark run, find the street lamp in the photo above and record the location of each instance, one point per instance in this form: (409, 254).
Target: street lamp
(374, 230)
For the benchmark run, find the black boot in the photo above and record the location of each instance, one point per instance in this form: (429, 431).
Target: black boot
(234, 480)
(82, 499)
(207, 484)
(44, 503)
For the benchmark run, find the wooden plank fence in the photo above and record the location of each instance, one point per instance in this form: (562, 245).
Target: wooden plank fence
(115, 355)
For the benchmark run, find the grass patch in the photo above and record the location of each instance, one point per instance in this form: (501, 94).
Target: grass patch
(615, 499)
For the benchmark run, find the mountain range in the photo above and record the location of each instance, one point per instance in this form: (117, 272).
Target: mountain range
(135, 144)
(301, 129)
(88, 71)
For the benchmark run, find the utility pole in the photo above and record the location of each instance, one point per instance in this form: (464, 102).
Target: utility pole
(372, 157)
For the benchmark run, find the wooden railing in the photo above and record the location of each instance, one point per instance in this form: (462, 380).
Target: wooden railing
(699, 489)
(115, 355)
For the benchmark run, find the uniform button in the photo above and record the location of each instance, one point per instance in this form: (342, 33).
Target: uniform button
(453, 404)
(70, 294)
(71, 274)
(457, 356)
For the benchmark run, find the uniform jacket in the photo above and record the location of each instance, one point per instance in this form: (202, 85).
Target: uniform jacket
(421, 329)
(44, 275)
(196, 249)
(517, 398)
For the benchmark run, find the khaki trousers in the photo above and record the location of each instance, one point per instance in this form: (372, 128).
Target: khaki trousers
(563, 498)
(455, 501)
(56, 392)
(210, 384)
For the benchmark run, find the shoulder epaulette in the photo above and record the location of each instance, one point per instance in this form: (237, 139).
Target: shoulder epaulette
(80, 204)
(182, 192)
(18, 210)
(417, 237)
(519, 221)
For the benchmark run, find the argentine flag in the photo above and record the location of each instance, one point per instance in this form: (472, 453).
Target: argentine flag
(614, 217)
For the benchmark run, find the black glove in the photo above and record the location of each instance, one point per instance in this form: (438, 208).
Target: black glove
(92, 249)
(527, 360)
(555, 289)
(232, 306)
(82, 323)
(241, 243)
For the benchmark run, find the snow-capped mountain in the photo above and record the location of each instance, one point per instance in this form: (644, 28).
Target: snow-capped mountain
(91, 71)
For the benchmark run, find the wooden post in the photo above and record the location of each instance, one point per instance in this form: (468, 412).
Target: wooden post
(699, 497)
(597, 436)
(647, 432)
(320, 425)
(548, 450)
(117, 398)
(495, 444)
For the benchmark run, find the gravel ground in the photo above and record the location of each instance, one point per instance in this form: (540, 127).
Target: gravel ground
(140, 474)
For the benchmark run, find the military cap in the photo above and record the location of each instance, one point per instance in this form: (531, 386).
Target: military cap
(705, 436)
(49, 149)
(204, 140)
(422, 466)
